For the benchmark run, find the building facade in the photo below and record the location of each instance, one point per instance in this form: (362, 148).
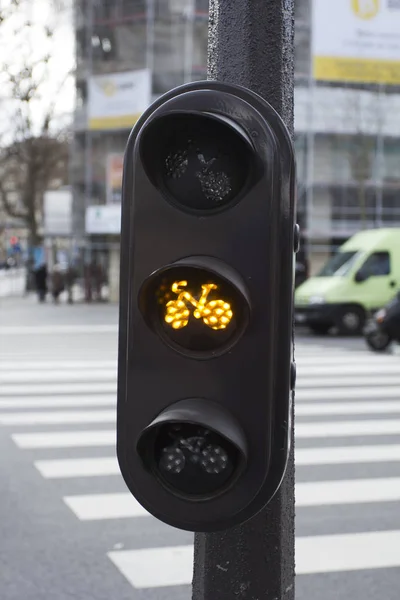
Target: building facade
(347, 137)
(347, 140)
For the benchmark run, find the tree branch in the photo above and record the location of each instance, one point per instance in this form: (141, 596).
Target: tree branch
(9, 208)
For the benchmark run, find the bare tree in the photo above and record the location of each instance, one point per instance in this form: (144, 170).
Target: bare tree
(34, 136)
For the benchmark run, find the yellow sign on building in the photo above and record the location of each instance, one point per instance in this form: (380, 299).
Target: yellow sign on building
(356, 41)
(117, 100)
(366, 9)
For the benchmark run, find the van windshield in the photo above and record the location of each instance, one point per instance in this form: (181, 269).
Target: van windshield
(339, 265)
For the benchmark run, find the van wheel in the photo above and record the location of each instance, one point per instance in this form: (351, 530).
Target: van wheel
(379, 341)
(351, 320)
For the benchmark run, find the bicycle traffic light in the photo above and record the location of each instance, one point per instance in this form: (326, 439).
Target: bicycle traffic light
(205, 342)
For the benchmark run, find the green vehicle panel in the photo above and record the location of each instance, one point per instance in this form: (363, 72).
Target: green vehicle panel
(362, 276)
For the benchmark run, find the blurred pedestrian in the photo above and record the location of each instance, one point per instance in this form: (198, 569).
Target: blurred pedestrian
(41, 282)
(70, 278)
(98, 279)
(57, 283)
(94, 280)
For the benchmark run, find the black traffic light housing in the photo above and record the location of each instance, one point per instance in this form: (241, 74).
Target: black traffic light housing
(205, 343)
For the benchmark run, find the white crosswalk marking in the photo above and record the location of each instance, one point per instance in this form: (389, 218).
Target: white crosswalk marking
(345, 428)
(338, 393)
(48, 365)
(60, 402)
(338, 357)
(342, 455)
(347, 552)
(314, 369)
(62, 414)
(152, 568)
(52, 418)
(59, 375)
(77, 467)
(357, 491)
(105, 506)
(9, 390)
(349, 381)
(348, 408)
(58, 329)
(155, 567)
(65, 439)
(93, 507)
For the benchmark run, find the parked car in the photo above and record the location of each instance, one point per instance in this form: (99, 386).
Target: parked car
(359, 279)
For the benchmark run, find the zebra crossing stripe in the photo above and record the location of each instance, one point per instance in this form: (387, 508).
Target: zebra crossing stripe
(155, 567)
(343, 358)
(77, 467)
(171, 566)
(60, 376)
(65, 439)
(96, 507)
(353, 491)
(58, 417)
(347, 552)
(320, 429)
(91, 467)
(343, 370)
(302, 409)
(57, 329)
(324, 429)
(318, 393)
(349, 381)
(59, 402)
(306, 457)
(65, 365)
(339, 392)
(347, 408)
(54, 389)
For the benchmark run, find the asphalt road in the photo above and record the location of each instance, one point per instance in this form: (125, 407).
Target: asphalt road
(68, 528)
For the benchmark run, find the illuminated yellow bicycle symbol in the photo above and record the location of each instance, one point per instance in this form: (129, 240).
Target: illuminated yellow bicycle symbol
(216, 314)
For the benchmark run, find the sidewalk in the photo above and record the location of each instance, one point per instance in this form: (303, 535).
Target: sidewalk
(27, 311)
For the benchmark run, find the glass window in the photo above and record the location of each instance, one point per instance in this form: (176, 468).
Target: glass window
(302, 10)
(302, 51)
(390, 161)
(354, 207)
(339, 265)
(201, 6)
(376, 265)
(391, 207)
(133, 8)
(199, 60)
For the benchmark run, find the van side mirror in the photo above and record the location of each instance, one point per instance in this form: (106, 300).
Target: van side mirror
(360, 276)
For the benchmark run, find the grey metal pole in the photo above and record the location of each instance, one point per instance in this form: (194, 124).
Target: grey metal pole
(380, 157)
(251, 43)
(88, 189)
(188, 41)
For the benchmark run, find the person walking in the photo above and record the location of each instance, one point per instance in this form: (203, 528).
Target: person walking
(40, 275)
(70, 278)
(57, 283)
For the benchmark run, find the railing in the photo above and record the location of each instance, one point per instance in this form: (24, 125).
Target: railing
(12, 282)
